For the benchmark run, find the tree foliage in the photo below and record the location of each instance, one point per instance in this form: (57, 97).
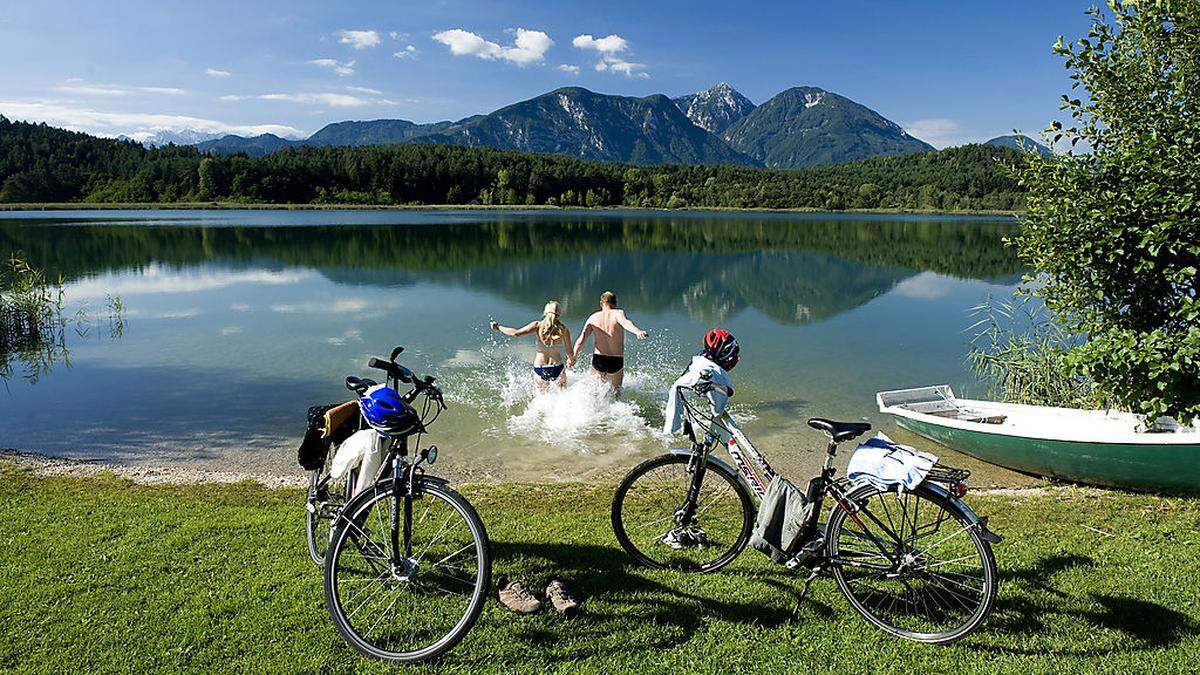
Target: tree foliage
(1114, 230)
(43, 164)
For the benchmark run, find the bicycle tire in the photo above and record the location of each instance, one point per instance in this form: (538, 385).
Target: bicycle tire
(643, 557)
(318, 522)
(950, 594)
(359, 508)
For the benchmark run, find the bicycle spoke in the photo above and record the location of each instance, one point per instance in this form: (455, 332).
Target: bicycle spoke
(405, 605)
(920, 593)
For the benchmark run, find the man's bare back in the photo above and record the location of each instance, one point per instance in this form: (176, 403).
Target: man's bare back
(608, 327)
(608, 331)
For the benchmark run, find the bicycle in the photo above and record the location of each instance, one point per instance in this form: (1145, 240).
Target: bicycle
(915, 563)
(408, 566)
(325, 502)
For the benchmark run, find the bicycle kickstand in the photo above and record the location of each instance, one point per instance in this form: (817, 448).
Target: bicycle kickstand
(804, 590)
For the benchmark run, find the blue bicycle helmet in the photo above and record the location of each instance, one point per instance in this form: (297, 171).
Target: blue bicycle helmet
(388, 413)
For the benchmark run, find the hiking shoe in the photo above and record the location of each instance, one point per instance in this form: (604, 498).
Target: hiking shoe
(685, 537)
(560, 599)
(515, 597)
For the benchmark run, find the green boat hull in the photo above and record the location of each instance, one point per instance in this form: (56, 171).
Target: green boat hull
(1173, 468)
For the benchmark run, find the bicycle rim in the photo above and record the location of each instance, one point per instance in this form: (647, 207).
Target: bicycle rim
(323, 510)
(643, 516)
(420, 608)
(912, 565)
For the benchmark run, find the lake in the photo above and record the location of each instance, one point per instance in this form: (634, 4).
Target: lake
(238, 321)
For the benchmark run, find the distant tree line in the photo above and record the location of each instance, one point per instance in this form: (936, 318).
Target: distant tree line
(39, 163)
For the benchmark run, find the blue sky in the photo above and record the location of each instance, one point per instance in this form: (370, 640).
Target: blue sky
(950, 72)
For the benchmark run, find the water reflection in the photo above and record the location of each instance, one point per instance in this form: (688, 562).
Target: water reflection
(795, 271)
(239, 321)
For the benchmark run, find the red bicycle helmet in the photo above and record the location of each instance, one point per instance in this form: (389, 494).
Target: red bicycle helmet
(721, 348)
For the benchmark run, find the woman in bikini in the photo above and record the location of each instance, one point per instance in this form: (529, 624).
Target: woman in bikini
(551, 338)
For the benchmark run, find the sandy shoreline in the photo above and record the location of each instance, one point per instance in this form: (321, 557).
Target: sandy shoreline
(48, 466)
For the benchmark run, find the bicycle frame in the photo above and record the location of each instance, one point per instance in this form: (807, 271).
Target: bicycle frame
(754, 468)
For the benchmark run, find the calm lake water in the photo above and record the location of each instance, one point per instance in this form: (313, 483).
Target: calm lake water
(238, 321)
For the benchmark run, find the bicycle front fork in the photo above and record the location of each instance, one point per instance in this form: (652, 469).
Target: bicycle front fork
(697, 466)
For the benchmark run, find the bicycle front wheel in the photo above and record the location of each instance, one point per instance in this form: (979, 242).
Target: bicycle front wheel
(414, 603)
(912, 563)
(645, 516)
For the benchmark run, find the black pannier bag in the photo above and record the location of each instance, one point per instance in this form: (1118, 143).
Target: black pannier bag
(315, 448)
(784, 518)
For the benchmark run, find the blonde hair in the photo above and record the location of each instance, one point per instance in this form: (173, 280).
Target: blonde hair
(551, 330)
(608, 298)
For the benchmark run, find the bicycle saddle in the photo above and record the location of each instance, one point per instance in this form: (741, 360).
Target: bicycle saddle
(840, 431)
(359, 385)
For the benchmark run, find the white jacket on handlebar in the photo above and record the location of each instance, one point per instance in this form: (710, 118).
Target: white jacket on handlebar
(700, 370)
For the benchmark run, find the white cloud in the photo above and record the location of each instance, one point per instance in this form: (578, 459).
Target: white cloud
(341, 306)
(157, 279)
(178, 314)
(231, 330)
(363, 90)
(615, 64)
(408, 52)
(605, 45)
(528, 48)
(941, 132)
(359, 39)
(78, 86)
(342, 68)
(608, 48)
(925, 286)
(217, 72)
(331, 99)
(567, 68)
(59, 114)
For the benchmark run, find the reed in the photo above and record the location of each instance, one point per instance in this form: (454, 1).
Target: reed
(1019, 350)
(32, 319)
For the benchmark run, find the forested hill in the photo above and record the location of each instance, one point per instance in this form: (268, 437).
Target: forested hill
(39, 163)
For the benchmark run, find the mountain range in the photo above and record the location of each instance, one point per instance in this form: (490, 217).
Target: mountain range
(799, 127)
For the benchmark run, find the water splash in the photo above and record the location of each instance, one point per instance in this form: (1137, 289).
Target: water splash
(584, 416)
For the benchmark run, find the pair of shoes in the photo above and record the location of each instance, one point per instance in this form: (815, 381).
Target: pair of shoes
(514, 596)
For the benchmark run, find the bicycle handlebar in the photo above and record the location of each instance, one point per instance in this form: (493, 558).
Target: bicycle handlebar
(400, 373)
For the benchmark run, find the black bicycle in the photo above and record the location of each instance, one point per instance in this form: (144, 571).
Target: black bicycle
(915, 563)
(326, 497)
(408, 565)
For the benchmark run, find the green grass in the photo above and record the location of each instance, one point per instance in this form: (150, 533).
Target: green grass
(103, 575)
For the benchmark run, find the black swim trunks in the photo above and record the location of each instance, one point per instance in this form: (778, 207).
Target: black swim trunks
(608, 364)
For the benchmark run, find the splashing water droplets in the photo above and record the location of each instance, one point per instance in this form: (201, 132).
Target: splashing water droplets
(584, 416)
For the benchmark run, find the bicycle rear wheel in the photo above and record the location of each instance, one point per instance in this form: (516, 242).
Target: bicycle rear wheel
(414, 604)
(644, 516)
(326, 497)
(912, 563)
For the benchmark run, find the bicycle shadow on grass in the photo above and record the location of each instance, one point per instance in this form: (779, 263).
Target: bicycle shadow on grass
(621, 599)
(1029, 604)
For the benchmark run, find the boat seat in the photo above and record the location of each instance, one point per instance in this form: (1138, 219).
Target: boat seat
(839, 431)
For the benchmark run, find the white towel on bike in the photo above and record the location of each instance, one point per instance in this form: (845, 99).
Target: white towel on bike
(364, 450)
(700, 369)
(351, 452)
(883, 463)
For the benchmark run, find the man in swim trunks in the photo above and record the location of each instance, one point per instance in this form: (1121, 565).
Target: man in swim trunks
(608, 326)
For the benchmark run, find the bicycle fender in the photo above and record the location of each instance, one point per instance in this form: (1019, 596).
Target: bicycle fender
(984, 533)
(719, 462)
